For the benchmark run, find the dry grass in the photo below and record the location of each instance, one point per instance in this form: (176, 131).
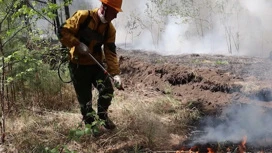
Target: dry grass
(32, 132)
(156, 118)
(144, 120)
(63, 100)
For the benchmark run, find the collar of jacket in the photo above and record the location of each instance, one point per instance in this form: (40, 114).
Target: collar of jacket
(95, 16)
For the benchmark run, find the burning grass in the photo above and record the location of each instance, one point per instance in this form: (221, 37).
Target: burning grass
(223, 147)
(240, 128)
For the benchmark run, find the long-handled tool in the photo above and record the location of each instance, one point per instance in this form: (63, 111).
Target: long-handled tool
(84, 50)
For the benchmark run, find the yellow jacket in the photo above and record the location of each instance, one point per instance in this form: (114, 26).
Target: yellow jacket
(97, 34)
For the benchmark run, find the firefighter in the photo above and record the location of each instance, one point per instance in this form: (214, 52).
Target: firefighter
(91, 31)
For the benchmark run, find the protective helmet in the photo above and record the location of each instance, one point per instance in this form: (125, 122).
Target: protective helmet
(116, 4)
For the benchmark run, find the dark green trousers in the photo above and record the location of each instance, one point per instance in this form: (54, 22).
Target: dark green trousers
(84, 78)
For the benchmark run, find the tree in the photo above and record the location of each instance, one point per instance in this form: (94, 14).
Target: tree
(21, 48)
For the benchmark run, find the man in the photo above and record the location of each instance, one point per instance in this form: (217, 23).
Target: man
(85, 33)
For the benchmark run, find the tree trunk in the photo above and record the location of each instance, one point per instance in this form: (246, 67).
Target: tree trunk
(66, 10)
(2, 96)
(56, 21)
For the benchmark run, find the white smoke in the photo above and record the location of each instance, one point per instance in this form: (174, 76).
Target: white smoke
(84, 5)
(239, 121)
(239, 27)
(236, 27)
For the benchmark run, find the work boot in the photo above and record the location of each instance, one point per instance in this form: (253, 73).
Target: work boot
(108, 123)
(88, 120)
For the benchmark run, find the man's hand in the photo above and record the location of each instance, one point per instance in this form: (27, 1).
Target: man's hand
(118, 82)
(82, 49)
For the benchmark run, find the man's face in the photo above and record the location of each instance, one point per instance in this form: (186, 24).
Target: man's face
(110, 14)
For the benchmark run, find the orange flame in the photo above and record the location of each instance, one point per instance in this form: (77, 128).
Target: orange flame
(242, 146)
(194, 149)
(210, 150)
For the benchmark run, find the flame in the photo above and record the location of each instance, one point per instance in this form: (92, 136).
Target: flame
(186, 151)
(228, 149)
(210, 150)
(194, 149)
(242, 146)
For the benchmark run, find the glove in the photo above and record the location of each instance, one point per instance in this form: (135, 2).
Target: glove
(118, 82)
(82, 49)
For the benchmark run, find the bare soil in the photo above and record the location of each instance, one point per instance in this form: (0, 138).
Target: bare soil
(211, 82)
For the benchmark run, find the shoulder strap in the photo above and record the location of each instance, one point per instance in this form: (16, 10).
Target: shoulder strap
(86, 22)
(106, 33)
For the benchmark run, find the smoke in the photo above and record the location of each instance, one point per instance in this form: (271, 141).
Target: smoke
(238, 121)
(84, 5)
(171, 27)
(237, 27)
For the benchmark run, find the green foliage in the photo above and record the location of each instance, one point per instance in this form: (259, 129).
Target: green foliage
(49, 10)
(26, 68)
(94, 127)
(56, 150)
(76, 134)
(100, 83)
(68, 2)
(25, 10)
(30, 73)
(221, 62)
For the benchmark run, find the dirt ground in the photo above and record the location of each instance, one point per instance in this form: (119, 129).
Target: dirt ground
(212, 81)
(215, 80)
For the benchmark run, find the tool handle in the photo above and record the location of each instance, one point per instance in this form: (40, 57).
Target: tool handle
(106, 72)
